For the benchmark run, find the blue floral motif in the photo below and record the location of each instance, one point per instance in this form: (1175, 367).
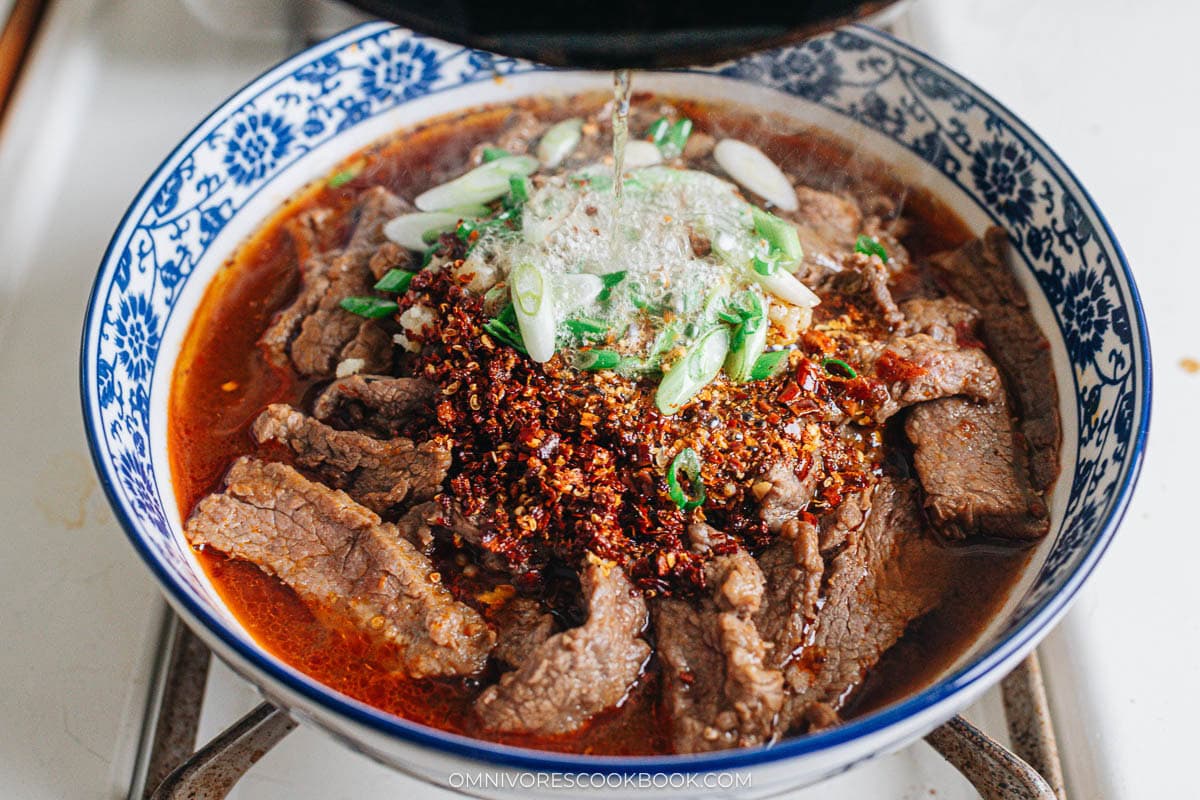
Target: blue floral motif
(1002, 174)
(322, 71)
(1076, 224)
(107, 382)
(812, 72)
(136, 334)
(258, 143)
(1086, 311)
(142, 491)
(403, 72)
(1058, 237)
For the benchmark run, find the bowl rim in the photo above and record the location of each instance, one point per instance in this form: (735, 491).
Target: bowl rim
(970, 676)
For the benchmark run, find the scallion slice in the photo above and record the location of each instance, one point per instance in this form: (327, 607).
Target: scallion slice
(676, 138)
(787, 287)
(483, 184)
(781, 235)
(749, 337)
(658, 130)
(559, 141)
(503, 332)
(518, 189)
(396, 281)
(369, 307)
(411, 230)
(587, 328)
(343, 177)
(686, 465)
(610, 280)
(494, 153)
(533, 302)
(764, 266)
(592, 360)
(768, 365)
(838, 368)
(869, 245)
(694, 371)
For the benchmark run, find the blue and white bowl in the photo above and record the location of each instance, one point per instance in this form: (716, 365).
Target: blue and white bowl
(296, 122)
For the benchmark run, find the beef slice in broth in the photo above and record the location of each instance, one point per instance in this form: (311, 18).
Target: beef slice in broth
(575, 675)
(345, 563)
(718, 691)
(378, 473)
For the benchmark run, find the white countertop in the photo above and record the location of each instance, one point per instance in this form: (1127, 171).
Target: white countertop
(1106, 83)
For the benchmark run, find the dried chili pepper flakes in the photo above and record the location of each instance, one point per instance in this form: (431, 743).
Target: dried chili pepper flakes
(552, 464)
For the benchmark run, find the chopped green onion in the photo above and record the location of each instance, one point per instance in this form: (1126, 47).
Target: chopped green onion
(592, 360)
(843, 370)
(764, 266)
(345, 176)
(749, 337)
(688, 463)
(396, 280)
(369, 307)
(492, 153)
(587, 327)
(662, 344)
(483, 184)
(676, 138)
(518, 188)
(411, 230)
(610, 280)
(768, 365)
(694, 371)
(869, 245)
(780, 234)
(502, 332)
(658, 130)
(559, 141)
(533, 302)
(465, 229)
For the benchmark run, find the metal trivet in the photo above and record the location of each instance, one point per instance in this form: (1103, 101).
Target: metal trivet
(168, 769)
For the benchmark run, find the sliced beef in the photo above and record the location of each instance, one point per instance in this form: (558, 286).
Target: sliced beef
(845, 519)
(979, 273)
(522, 626)
(417, 525)
(574, 675)
(973, 474)
(866, 278)
(345, 564)
(327, 328)
(828, 225)
(392, 256)
(718, 691)
(887, 575)
(782, 495)
(377, 473)
(946, 319)
(792, 568)
(370, 349)
(314, 282)
(376, 403)
(918, 368)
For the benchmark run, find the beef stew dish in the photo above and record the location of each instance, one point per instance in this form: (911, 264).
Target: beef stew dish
(747, 442)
